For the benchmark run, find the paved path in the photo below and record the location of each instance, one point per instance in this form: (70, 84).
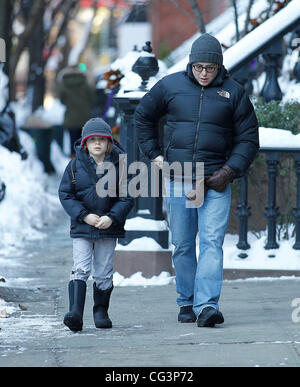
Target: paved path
(258, 329)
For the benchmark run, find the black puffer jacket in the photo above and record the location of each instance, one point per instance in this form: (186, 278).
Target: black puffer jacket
(216, 124)
(82, 199)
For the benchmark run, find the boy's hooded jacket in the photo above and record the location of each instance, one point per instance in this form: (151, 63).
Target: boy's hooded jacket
(214, 124)
(81, 199)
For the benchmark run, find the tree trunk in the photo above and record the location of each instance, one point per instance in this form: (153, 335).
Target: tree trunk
(236, 20)
(36, 13)
(246, 29)
(199, 16)
(80, 46)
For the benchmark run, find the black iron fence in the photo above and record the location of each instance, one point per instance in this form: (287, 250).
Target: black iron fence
(271, 213)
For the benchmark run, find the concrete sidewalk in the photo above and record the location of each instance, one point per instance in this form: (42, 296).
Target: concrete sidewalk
(258, 329)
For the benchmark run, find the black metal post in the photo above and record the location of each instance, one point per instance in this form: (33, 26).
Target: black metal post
(243, 77)
(145, 207)
(271, 90)
(296, 210)
(271, 210)
(243, 213)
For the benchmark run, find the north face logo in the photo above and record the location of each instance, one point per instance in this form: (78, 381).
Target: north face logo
(224, 93)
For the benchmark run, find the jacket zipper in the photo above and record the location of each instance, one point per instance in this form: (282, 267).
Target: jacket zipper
(197, 131)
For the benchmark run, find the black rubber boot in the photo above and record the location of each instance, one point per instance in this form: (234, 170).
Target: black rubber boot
(101, 304)
(186, 314)
(74, 318)
(209, 317)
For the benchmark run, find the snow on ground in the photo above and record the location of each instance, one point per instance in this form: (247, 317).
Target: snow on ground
(284, 258)
(27, 207)
(137, 279)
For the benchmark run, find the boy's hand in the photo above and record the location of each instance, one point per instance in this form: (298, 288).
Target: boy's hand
(104, 222)
(91, 219)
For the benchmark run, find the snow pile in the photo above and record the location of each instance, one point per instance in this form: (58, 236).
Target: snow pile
(54, 115)
(278, 138)
(7, 308)
(292, 93)
(138, 280)
(283, 258)
(131, 81)
(141, 244)
(139, 223)
(27, 207)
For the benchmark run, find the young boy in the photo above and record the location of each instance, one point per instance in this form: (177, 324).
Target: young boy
(96, 222)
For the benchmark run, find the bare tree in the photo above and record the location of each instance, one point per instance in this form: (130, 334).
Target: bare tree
(65, 8)
(80, 46)
(199, 15)
(36, 14)
(270, 8)
(246, 28)
(196, 17)
(44, 22)
(236, 20)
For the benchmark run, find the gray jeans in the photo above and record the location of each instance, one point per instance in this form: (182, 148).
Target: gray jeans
(100, 252)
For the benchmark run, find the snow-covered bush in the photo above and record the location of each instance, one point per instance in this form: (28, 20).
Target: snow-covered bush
(275, 114)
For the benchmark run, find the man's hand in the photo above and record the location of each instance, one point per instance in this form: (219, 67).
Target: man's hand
(104, 222)
(220, 178)
(91, 219)
(198, 192)
(159, 161)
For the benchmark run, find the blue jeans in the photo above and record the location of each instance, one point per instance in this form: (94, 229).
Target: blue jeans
(198, 281)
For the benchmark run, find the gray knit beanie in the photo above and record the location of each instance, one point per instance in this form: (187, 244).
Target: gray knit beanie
(95, 127)
(206, 49)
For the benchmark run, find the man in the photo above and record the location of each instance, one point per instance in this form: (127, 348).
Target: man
(210, 119)
(75, 93)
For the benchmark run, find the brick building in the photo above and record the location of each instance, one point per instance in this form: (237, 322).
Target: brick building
(171, 25)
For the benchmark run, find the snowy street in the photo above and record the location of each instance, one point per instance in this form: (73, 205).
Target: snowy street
(261, 326)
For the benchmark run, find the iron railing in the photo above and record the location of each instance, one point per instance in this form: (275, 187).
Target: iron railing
(273, 156)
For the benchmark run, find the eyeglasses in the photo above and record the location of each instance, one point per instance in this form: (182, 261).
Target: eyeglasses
(199, 68)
